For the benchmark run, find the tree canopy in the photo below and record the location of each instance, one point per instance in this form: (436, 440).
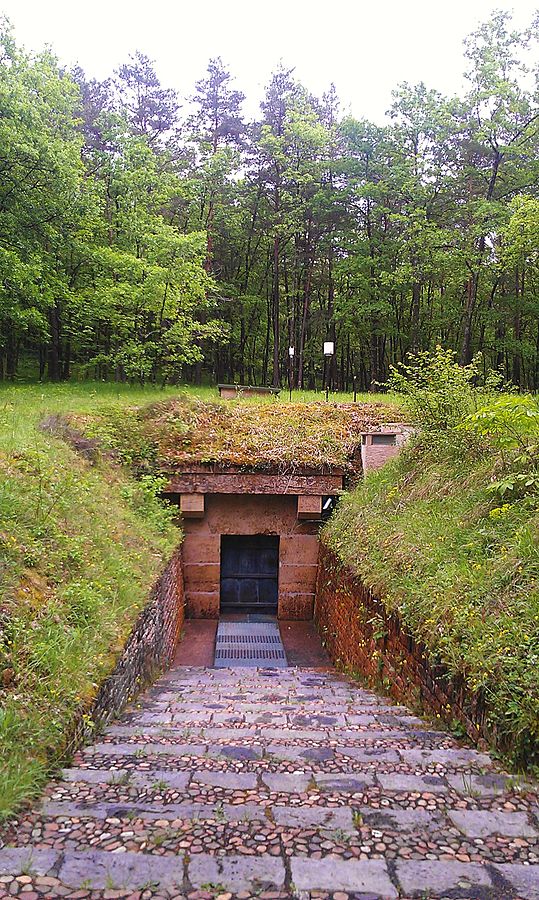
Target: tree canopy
(143, 238)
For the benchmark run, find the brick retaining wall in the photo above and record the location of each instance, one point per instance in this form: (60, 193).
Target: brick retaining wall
(149, 648)
(360, 636)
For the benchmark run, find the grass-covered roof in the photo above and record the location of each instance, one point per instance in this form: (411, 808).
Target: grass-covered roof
(267, 435)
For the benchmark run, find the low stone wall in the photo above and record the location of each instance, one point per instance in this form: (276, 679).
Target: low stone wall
(150, 647)
(360, 636)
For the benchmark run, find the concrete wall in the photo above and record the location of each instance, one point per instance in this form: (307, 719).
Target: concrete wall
(250, 514)
(374, 454)
(360, 636)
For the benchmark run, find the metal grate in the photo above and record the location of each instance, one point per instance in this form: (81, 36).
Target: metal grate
(249, 644)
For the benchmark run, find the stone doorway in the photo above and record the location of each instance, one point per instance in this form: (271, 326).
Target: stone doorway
(249, 573)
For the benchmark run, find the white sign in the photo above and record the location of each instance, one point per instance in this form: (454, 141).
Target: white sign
(329, 348)
(291, 352)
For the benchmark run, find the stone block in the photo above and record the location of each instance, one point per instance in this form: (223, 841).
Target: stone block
(299, 550)
(128, 871)
(201, 548)
(233, 781)
(309, 506)
(343, 784)
(288, 783)
(418, 878)
(201, 577)
(20, 860)
(455, 758)
(407, 784)
(297, 579)
(524, 880)
(368, 876)
(394, 819)
(482, 823)
(478, 785)
(202, 604)
(192, 506)
(339, 818)
(236, 873)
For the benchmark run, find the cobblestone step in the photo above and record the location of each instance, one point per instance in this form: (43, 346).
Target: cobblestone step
(275, 785)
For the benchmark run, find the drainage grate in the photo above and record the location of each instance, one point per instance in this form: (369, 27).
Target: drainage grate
(249, 644)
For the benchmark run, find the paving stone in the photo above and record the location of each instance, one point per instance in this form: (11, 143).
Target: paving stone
(339, 818)
(290, 783)
(238, 752)
(146, 749)
(407, 783)
(360, 876)
(461, 757)
(481, 823)
(349, 775)
(349, 784)
(231, 780)
(132, 777)
(236, 873)
(470, 785)
(300, 754)
(25, 860)
(151, 812)
(399, 721)
(317, 720)
(296, 734)
(371, 755)
(524, 880)
(363, 719)
(132, 871)
(395, 819)
(418, 878)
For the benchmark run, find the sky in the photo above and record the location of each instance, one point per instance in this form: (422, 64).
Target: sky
(364, 48)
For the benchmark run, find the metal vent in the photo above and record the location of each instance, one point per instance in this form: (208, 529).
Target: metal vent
(249, 644)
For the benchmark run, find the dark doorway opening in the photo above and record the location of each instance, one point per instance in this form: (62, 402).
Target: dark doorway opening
(249, 573)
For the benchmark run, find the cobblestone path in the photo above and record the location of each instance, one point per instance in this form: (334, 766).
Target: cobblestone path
(275, 784)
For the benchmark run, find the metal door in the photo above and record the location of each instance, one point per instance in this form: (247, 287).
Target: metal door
(249, 572)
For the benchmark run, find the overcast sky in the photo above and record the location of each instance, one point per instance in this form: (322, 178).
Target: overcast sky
(365, 48)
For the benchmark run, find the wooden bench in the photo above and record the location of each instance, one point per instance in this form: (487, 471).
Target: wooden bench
(233, 391)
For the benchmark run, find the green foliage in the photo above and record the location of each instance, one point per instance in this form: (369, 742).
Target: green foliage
(430, 536)
(511, 425)
(438, 391)
(140, 247)
(80, 546)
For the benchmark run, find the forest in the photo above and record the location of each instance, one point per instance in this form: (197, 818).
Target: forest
(153, 238)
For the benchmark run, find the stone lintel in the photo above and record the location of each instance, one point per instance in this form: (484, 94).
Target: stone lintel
(253, 483)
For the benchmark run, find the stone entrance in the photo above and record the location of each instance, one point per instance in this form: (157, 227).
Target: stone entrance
(291, 588)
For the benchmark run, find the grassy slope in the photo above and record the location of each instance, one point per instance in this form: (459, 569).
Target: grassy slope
(80, 546)
(463, 573)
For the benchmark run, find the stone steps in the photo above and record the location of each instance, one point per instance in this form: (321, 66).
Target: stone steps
(229, 782)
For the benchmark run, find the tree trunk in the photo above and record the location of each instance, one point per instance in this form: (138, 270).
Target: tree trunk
(54, 353)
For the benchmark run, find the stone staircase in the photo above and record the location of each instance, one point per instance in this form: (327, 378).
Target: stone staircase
(239, 783)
